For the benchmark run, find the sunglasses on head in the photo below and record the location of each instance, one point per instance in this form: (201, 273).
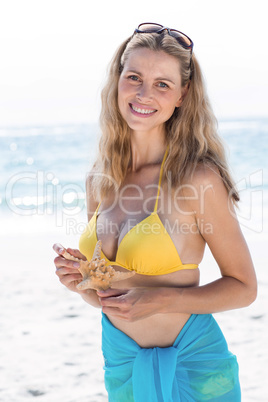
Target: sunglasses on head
(182, 39)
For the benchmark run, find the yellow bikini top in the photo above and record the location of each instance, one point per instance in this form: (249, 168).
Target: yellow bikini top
(146, 249)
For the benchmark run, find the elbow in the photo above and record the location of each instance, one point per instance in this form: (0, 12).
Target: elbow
(250, 294)
(254, 294)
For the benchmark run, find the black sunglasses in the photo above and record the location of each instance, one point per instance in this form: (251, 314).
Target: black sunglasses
(182, 39)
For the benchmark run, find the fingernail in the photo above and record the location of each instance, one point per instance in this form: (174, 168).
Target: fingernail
(76, 264)
(61, 250)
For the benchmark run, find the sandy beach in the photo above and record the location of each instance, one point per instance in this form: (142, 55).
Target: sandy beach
(51, 340)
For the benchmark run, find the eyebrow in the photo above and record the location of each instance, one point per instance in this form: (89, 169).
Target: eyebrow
(157, 79)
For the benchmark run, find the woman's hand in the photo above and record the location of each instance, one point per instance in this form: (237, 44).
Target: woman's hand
(67, 270)
(132, 304)
(69, 275)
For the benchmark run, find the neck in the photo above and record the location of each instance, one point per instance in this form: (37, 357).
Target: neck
(146, 148)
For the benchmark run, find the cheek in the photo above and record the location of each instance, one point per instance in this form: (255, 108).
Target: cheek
(122, 92)
(122, 101)
(122, 86)
(176, 99)
(170, 106)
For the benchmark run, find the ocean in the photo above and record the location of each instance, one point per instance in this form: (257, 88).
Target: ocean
(43, 169)
(50, 340)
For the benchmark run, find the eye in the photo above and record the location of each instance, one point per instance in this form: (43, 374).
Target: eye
(163, 85)
(133, 77)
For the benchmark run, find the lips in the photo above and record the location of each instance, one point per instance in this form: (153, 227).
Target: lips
(142, 110)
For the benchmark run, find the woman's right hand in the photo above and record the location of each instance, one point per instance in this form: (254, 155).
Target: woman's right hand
(67, 270)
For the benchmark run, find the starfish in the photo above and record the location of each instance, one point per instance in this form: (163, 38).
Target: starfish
(96, 274)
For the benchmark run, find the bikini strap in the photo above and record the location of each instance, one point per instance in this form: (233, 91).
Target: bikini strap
(160, 179)
(97, 208)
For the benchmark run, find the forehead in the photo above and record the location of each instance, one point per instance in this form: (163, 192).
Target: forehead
(147, 61)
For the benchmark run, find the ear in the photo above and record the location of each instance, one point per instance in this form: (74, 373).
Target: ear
(184, 92)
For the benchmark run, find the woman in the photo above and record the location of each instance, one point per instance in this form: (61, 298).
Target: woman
(161, 190)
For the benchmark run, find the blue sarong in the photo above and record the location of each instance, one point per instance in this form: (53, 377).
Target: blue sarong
(197, 367)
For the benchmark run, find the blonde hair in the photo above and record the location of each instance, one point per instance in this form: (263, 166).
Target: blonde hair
(191, 131)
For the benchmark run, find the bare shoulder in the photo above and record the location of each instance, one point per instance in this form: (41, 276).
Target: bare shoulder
(206, 174)
(205, 180)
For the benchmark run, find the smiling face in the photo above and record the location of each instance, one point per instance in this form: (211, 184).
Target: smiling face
(149, 89)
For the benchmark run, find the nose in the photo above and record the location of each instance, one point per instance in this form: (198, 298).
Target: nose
(144, 93)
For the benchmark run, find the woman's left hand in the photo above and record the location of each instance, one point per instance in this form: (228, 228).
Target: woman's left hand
(132, 304)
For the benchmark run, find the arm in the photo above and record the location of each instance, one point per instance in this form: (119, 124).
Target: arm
(237, 286)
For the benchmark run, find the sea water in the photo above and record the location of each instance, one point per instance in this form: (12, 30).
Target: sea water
(43, 171)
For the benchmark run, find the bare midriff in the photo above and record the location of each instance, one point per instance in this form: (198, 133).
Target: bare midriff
(161, 329)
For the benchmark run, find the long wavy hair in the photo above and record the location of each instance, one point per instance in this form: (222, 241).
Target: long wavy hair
(191, 131)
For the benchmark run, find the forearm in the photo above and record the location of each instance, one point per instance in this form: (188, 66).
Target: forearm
(224, 294)
(91, 298)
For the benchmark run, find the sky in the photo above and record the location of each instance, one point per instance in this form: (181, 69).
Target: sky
(54, 54)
